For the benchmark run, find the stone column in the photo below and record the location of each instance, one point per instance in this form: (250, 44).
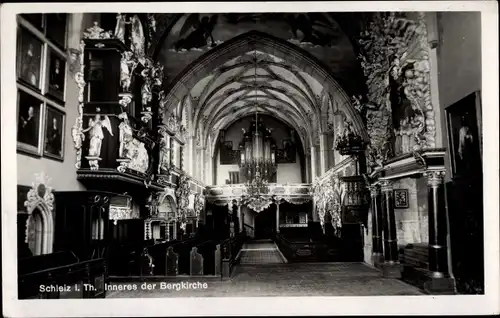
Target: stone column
(167, 231)
(175, 230)
(440, 279)
(377, 242)
(323, 153)
(391, 266)
(306, 168)
(277, 217)
(240, 220)
(313, 163)
(314, 212)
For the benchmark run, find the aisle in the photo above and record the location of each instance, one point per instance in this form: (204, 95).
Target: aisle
(261, 252)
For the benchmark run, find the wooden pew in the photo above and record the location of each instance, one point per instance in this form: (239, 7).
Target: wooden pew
(61, 275)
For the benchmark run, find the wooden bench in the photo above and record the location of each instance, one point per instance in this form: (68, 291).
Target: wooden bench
(61, 275)
(414, 259)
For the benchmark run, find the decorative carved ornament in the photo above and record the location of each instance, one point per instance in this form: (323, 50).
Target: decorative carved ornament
(182, 194)
(40, 196)
(117, 213)
(77, 129)
(393, 43)
(328, 194)
(40, 192)
(97, 33)
(199, 204)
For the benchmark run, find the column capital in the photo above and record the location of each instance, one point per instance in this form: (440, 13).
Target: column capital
(386, 185)
(434, 177)
(374, 189)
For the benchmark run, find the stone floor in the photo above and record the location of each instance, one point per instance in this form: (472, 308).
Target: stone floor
(261, 252)
(281, 279)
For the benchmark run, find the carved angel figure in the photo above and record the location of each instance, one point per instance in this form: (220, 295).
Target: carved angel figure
(146, 93)
(127, 66)
(120, 27)
(96, 133)
(126, 135)
(137, 40)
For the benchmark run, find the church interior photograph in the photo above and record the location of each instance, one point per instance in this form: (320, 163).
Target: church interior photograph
(258, 154)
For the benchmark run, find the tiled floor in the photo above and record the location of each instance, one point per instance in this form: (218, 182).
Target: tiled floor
(280, 279)
(261, 252)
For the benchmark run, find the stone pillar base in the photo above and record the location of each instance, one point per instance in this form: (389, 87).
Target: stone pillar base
(391, 269)
(377, 259)
(440, 286)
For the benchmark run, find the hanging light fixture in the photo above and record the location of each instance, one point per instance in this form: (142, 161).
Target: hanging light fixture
(257, 191)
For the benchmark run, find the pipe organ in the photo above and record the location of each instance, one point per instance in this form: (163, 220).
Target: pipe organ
(257, 153)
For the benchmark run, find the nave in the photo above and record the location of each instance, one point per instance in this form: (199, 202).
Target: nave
(263, 271)
(260, 162)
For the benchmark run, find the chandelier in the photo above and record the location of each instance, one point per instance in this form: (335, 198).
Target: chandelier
(256, 196)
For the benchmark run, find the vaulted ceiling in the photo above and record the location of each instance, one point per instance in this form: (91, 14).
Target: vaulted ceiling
(290, 66)
(257, 82)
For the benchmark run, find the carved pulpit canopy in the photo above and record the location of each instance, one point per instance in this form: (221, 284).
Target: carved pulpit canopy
(347, 141)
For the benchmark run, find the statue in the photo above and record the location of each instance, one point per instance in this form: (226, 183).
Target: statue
(127, 66)
(398, 142)
(96, 133)
(95, 32)
(417, 124)
(406, 132)
(137, 39)
(120, 27)
(146, 93)
(126, 135)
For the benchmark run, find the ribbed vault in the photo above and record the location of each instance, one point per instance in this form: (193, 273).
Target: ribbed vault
(256, 72)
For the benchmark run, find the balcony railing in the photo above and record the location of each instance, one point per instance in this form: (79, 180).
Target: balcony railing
(296, 193)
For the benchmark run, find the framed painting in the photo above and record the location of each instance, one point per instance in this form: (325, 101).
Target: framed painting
(29, 123)
(29, 59)
(55, 122)
(56, 76)
(401, 199)
(35, 19)
(56, 28)
(464, 137)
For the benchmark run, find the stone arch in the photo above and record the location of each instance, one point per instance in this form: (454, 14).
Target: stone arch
(254, 40)
(167, 205)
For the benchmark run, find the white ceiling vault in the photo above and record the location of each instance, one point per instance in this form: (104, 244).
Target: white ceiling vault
(252, 73)
(256, 82)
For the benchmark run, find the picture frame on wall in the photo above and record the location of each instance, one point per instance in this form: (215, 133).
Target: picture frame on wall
(55, 123)
(29, 61)
(56, 28)
(56, 76)
(35, 19)
(401, 199)
(463, 123)
(29, 123)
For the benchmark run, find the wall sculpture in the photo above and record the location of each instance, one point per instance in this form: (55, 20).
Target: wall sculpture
(398, 110)
(199, 204)
(76, 131)
(328, 195)
(182, 194)
(41, 198)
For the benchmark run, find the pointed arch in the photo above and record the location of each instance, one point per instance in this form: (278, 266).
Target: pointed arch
(254, 40)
